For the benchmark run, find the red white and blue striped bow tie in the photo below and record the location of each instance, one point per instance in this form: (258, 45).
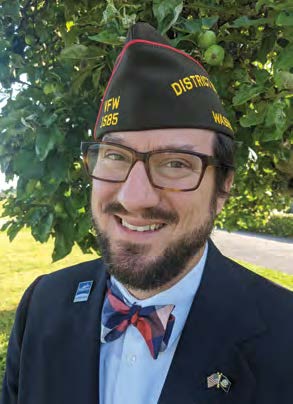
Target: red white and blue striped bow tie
(155, 323)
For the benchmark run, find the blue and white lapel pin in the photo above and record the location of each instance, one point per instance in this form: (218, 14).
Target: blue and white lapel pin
(83, 291)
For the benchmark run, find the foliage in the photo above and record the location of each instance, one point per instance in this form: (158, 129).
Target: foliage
(278, 224)
(61, 53)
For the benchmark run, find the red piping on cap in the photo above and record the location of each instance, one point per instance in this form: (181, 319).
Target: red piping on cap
(119, 59)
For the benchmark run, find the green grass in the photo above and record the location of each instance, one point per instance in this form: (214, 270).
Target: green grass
(24, 259)
(276, 276)
(20, 263)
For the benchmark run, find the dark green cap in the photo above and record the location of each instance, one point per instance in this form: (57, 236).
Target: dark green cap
(156, 86)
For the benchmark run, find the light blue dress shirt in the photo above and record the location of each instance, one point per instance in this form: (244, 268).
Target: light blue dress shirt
(128, 373)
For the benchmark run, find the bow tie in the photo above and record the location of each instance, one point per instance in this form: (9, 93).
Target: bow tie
(155, 323)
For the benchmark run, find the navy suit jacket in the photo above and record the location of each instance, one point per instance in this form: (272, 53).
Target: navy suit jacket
(239, 324)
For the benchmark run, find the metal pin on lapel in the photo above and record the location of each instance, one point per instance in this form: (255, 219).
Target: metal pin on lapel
(220, 381)
(83, 291)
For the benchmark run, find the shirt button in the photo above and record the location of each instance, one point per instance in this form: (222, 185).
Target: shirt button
(131, 359)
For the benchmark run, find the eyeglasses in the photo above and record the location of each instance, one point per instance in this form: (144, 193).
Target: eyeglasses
(173, 170)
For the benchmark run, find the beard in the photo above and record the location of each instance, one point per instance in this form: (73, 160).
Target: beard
(129, 264)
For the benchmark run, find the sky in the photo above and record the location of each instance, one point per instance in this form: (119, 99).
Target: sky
(5, 185)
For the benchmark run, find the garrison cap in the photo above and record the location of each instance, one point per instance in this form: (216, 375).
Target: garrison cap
(156, 86)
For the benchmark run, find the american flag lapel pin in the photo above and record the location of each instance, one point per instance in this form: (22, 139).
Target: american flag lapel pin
(220, 381)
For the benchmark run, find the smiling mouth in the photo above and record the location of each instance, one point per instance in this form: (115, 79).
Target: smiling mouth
(149, 227)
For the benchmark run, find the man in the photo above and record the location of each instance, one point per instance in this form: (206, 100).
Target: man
(164, 317)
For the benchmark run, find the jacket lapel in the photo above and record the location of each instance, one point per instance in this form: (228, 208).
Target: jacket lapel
(79, 359)
(222, 315)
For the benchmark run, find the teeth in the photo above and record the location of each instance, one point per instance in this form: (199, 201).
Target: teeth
(141, 228)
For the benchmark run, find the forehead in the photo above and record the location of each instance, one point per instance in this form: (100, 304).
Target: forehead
(200, 140)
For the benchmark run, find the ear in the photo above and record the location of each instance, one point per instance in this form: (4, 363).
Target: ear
(227, 187)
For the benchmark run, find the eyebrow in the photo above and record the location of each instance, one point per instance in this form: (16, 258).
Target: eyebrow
(119, 140)
(109, 137)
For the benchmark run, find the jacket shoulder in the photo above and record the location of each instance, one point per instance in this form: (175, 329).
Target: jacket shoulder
(65, 281)
(86, 268)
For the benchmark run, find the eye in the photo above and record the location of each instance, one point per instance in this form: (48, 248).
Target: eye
(114, 155)
(176, 164)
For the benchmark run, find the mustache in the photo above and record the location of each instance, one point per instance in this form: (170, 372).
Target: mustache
(148, 213)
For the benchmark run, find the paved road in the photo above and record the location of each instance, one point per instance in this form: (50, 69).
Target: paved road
(267, 251)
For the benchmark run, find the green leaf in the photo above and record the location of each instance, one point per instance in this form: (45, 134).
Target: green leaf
(107, 37)
(49, 88)
(46, 139)
(267, 45)
(79, 79)
(285, 58)
(96, 75)
(286, 166)
(271, 135)
(261, 77)
(110, 12)
(49, 119)
(192, 26)
(246, 93)
(17, 61)
(267, 3)
(175, 42)
(35, 215)
(252, 118)
(6, 225)
(209, 22)
(284, 80)
(77, 200)
(41, 231)
(64, 239)
(84, 224)
(11, 118)
(26, 166)
(10, 8)
(276, 117)
(246, 22)
(240, 75)
(285, 18)
(167, 13)
(13, 230)
(75, 51)
(57, 165)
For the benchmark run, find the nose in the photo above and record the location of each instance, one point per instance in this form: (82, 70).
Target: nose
(137, 193)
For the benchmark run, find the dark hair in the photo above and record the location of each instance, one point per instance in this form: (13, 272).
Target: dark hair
(224, 151)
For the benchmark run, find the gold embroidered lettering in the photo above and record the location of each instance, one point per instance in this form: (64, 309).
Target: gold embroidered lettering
(116, 102)
(182, 85)
(187, 83)
(194, 81)
(198, 79)
(177, 88)
(221, 120)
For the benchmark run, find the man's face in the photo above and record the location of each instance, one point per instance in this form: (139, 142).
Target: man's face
(152, 259)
